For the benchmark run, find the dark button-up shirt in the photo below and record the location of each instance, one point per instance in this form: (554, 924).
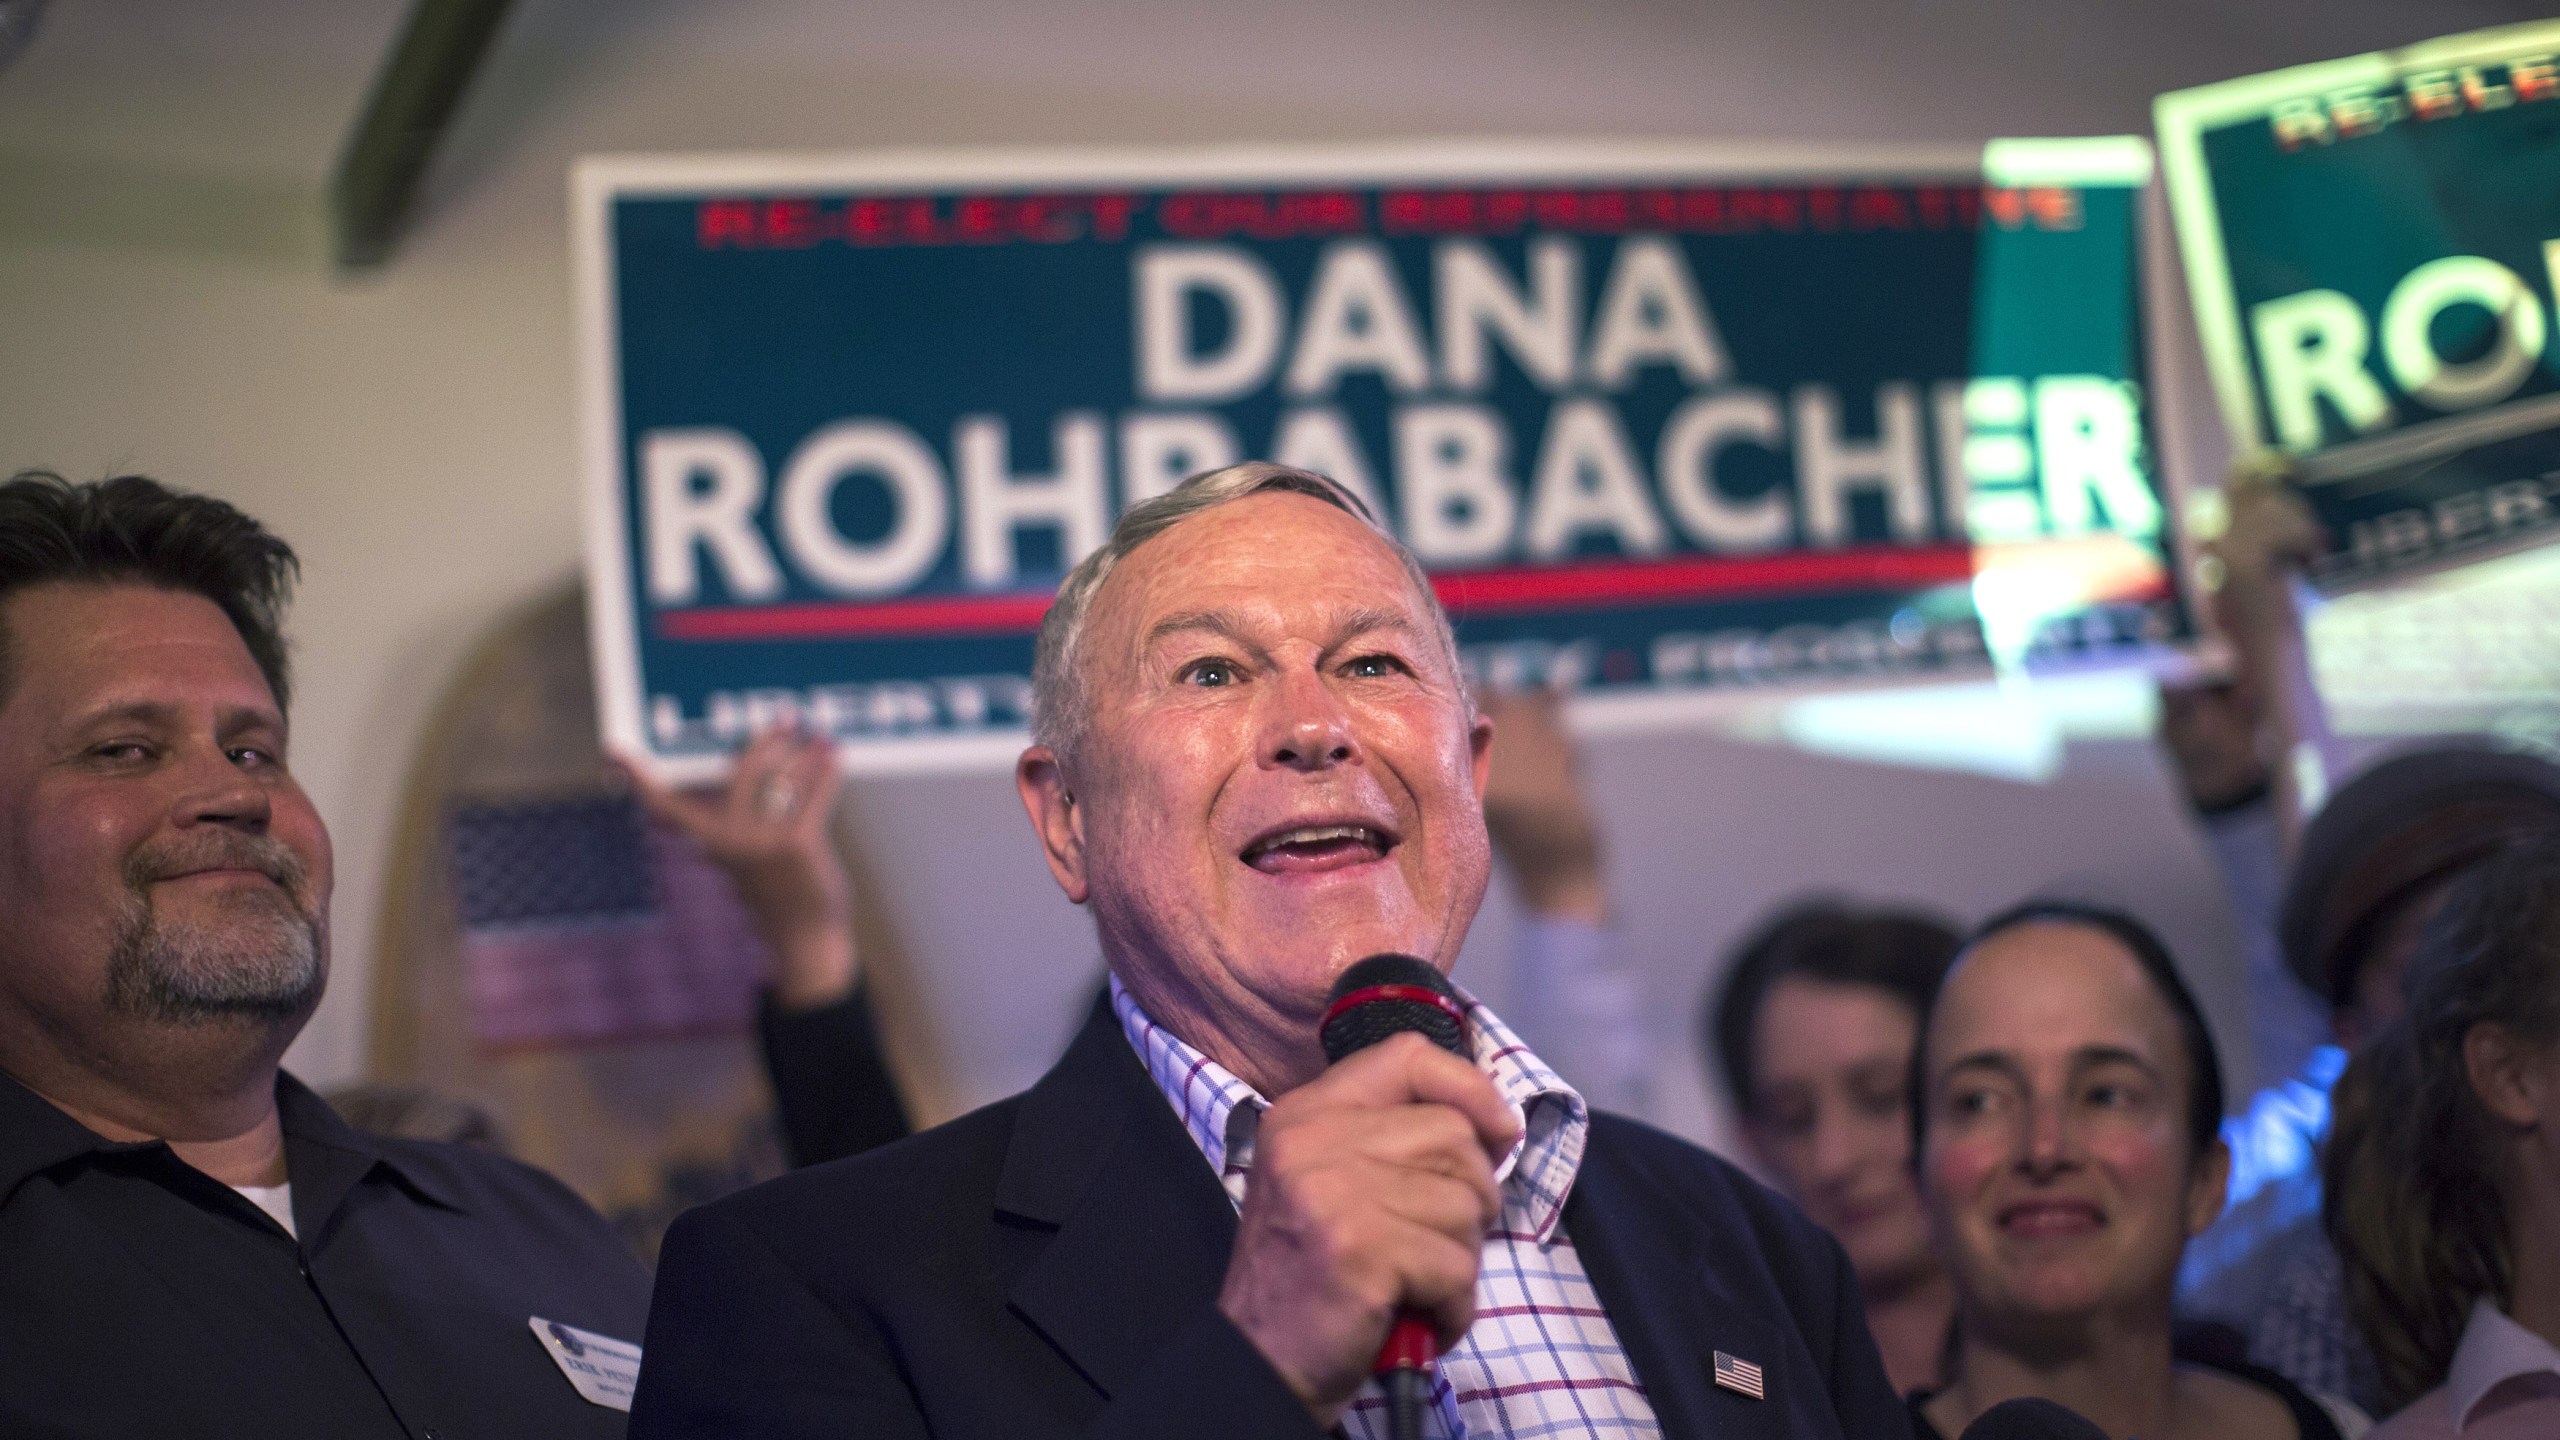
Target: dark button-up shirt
(139, 1296)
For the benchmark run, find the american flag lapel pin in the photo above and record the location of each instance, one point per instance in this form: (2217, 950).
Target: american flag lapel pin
(1739, 1376)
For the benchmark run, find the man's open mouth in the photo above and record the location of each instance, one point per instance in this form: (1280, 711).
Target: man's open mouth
(1305, 849)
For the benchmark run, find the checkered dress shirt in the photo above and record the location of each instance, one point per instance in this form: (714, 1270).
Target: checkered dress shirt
(1542, 1359)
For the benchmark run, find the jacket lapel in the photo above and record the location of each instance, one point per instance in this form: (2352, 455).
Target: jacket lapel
(1670, 1313)
(1143, 1230)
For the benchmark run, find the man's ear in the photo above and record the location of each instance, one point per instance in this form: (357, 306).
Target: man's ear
(1041, 779)
(1480, 752)
(2502, 1070)
(2208, 1187)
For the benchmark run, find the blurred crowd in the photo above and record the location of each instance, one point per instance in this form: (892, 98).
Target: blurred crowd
(2016, 1127)
(2360, 1231)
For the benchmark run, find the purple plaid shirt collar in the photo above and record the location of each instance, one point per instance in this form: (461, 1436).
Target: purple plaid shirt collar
(1222, 1112)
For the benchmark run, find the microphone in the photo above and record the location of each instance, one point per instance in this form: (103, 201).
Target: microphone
(2032, 1418)
(1381, 996)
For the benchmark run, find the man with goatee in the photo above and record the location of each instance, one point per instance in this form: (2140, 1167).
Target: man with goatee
(191, 1243)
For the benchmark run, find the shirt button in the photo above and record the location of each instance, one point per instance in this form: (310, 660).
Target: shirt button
(432, 1433)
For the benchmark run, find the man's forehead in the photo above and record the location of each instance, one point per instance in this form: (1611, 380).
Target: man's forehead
(1265, 553)
(88, 647)
(1328, 618)
(114, 602)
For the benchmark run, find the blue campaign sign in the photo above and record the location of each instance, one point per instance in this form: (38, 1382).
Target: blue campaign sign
(1658, 419)
(2373, 247)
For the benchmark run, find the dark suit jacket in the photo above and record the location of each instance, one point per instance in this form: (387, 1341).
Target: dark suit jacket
(1049, 1266)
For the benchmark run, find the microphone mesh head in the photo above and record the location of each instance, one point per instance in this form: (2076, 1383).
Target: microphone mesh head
(1367, 1020)
(2032, 1418)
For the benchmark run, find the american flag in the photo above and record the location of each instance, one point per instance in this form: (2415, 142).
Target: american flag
(584, 924)
(1740, 1376)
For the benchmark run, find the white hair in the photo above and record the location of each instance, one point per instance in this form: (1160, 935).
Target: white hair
(1059, 704)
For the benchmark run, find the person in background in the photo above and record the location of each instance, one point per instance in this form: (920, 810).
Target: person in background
(2373, 867)
(2445, 1171)
(2241, 748)
(770, 827)
(1813, 1028)
(1578, 999)
(2328, 908)
(2066, 1122)
(2233, 745)
(191, 1242)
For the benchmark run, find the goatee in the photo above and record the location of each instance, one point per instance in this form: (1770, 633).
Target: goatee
(257, 956)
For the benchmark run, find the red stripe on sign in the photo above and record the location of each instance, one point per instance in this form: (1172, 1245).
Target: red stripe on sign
(940, 615)
(1477, 592)
(1881, 567)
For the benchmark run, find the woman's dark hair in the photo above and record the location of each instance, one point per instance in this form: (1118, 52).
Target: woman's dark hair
(134, 530)
(2204, 1063)
(2413, 1185)
(1903, 953)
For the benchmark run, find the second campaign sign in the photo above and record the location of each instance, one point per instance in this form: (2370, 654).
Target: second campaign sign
(2373, 246)
(1657, 419)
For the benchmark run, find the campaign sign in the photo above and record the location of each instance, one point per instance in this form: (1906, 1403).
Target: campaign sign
(2372, 246)
(1657, 419)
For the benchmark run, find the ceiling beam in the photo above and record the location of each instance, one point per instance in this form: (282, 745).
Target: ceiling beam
(413, 100)
(17, 27)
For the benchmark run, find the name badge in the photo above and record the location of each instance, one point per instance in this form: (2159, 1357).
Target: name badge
(603, 1369)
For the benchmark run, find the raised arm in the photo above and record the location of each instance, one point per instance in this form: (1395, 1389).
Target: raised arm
(770, 829)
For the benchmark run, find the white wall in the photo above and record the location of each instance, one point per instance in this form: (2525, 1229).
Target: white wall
(164, 307)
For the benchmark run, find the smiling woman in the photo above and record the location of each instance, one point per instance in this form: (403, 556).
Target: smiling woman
(1815, 1025)
(2066, 1128)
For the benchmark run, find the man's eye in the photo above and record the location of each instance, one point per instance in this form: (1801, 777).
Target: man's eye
(1373, 667)
(1210, 673)
(251, 756)
(2111, 1096)
(121, 751)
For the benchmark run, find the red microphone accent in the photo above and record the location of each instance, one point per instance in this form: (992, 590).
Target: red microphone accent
(1413, 994)
(1411, 1345)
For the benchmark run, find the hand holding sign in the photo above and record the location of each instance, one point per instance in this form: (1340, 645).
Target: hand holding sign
(769, 828)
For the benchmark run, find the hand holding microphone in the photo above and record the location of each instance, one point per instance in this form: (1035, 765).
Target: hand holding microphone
(1371, 1193)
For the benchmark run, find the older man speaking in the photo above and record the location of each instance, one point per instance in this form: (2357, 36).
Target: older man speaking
(1257, 765)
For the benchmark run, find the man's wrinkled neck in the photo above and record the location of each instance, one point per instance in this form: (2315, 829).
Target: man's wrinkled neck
(1269, 1048)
